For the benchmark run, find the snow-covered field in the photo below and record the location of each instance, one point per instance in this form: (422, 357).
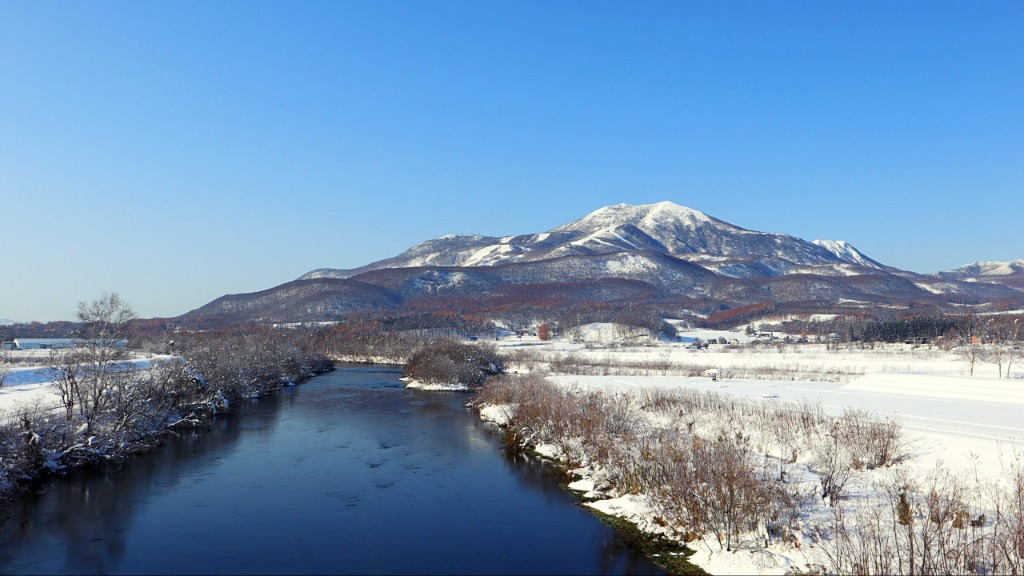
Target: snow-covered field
(969, 426)
(960, 420)
(29, 387)
(25, 387)
(840, 362)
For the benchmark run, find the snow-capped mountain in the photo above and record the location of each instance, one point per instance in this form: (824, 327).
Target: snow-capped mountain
(662, 255)
(665, 227)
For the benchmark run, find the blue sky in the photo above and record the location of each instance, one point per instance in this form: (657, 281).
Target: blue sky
(174, 152)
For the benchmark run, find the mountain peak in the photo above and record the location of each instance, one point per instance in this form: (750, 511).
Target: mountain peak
(643, 216)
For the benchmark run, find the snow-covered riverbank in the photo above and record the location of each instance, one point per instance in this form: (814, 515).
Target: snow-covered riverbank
(82, 410)
(961, 439)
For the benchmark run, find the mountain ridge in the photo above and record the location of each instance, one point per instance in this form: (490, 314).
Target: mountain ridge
(664, 227)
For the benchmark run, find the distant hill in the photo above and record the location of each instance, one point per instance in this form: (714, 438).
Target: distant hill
(988, 268)
(1010, 274)
(662, 254)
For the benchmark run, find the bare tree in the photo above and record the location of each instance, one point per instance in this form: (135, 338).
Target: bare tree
(1004, 334)
(971, 348)
(1015, 332)
(91, 375)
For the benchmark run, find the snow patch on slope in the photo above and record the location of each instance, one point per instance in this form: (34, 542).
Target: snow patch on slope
(630, 264)
(846, 252)
(490, 254)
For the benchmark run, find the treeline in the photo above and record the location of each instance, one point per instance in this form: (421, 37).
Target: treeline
(955, 329)
(247, 362)
(432, 324)
(56, 329)
(366, 343)
(737, 315)
(392, 339)
(926, 328)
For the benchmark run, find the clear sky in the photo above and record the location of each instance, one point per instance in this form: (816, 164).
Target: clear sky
(174, 152)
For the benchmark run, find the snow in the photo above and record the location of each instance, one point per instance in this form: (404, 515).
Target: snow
(500, 415)
(846, 252)
(822, 317)
(991, 268)
(606, 332)
(489, 254)
(630, 264)
(667, 211)
(600, 237)
(417, 385)
(1003, 313)
(27, 387)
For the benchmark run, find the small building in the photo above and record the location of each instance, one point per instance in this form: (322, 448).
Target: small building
(44, 343)
(714, 373)
(55, 343)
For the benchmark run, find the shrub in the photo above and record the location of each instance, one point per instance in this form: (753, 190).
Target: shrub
(453, 362)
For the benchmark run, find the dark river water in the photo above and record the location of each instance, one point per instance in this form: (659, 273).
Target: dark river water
(347, 473)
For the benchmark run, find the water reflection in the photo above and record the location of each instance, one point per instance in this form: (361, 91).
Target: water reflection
(348, 473)
(79, 524)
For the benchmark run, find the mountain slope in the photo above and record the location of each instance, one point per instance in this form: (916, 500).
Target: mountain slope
(296, 301)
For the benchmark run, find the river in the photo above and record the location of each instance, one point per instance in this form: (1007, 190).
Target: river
(347, 473)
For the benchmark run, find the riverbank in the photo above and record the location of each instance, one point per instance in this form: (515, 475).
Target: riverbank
(63, 416)
(669, 554)
(756, 478)
(28, 468)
